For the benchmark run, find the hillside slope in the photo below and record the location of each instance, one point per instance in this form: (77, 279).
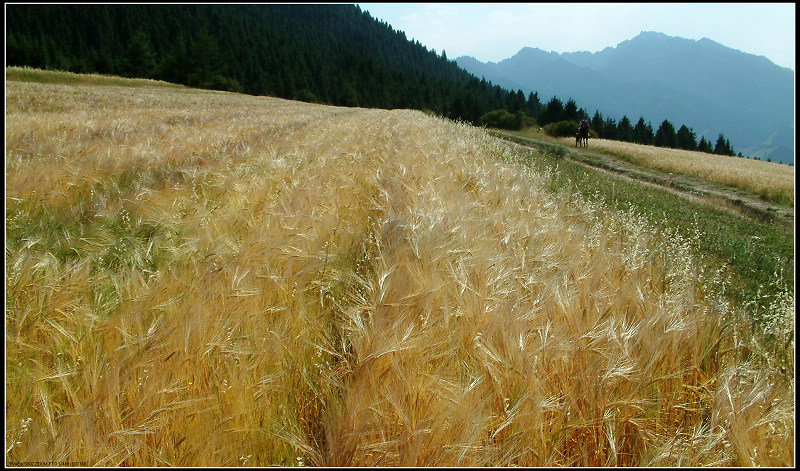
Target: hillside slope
(751, 188)
(202, 278)
(705, 85)
(326, 53)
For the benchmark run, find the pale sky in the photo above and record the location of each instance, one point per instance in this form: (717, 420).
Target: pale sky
(491, 32)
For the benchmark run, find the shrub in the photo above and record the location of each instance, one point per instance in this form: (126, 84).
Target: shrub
(502, 119)
(561, 129)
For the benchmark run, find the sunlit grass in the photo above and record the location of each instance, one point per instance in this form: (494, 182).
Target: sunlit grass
(27, 74)
(211, 279)
(770, 181)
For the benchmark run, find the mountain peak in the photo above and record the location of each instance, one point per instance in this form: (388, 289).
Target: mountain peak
(650, 38)
(651, 34)
(530, 51)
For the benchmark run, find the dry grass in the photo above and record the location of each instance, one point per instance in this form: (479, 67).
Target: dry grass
(210, 279)
(772, 181)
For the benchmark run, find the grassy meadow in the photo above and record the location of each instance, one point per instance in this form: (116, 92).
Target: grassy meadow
(200, 278)
(771, 181)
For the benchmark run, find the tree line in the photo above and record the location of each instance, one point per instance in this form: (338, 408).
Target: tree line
(330, 54)
(323, 53)
(562, 119)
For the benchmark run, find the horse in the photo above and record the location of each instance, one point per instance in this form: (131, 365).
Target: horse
(582, 137)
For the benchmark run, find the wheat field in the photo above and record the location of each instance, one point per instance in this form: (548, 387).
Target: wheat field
(210, 279)
(772, 181)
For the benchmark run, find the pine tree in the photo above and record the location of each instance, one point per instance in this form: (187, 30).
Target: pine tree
(643, 132)
(625, 130)
(665, 135)
(729, 148)
(723, 146)
(686, 139)
(552, 112)
(534, 105)
(140, 60)
(705, 146)
(570, 111)
(610, 129)
(597, 123)
(518, 102)
(207, 62)
(176, 66)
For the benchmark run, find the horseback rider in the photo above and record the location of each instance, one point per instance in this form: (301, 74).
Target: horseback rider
(582, 136)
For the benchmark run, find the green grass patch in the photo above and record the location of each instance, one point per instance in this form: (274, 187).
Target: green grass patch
(75, 231)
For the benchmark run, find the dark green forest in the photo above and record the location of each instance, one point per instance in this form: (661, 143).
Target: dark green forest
(323, 53)
(334, 54)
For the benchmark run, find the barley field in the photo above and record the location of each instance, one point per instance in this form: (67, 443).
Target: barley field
(202, 278)
(771, 181)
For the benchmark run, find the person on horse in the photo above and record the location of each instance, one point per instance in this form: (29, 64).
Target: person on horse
(584, 126)
(582, 136)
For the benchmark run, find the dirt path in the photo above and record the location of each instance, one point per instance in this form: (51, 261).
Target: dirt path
(720, 196)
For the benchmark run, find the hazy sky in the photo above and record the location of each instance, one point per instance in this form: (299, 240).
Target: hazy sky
(491, 32)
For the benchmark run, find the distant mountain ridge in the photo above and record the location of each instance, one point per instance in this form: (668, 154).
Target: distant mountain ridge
(709, 87)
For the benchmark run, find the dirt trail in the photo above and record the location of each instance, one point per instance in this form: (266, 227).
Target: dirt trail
(720, 196)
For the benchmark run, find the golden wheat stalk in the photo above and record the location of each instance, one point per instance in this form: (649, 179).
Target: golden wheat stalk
(211, 279)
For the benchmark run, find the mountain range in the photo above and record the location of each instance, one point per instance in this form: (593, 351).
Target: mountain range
(709, 87)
